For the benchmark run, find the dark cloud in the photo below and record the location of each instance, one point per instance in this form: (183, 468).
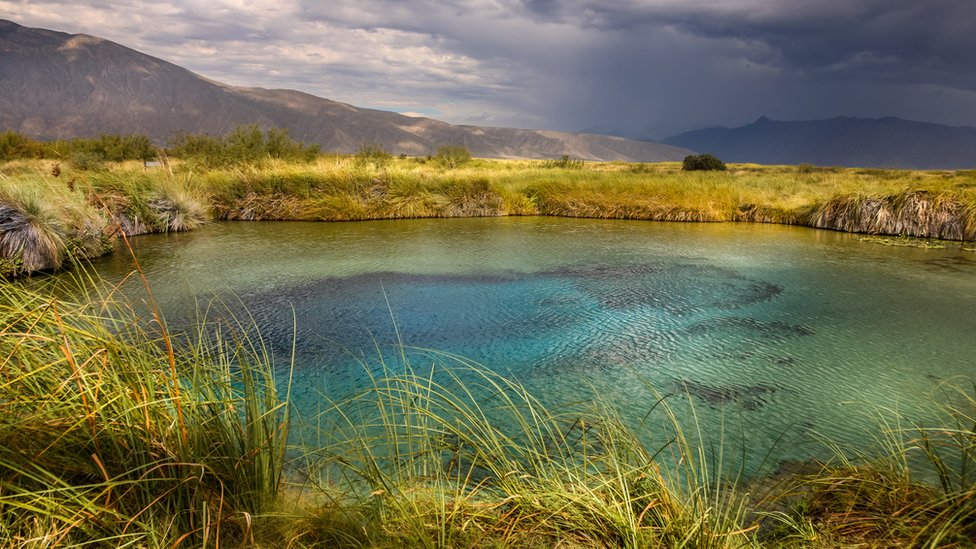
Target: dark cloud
(642, 67)
(899, 40)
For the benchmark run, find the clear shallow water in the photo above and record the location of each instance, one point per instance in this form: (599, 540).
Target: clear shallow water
(779, 334)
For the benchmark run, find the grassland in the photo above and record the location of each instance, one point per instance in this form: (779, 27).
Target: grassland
(49, 219)
(115, 432)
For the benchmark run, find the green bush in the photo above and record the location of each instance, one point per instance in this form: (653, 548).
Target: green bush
(702, 162)
(452, 156)
(113, 148)
(14, 145)
(86, 161)
(372, 155)
(245, 145)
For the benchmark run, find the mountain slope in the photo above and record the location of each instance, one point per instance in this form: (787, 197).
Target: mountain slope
(57, 85)
(883, 142)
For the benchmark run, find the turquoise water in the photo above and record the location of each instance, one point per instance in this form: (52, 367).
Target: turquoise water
(780, 335)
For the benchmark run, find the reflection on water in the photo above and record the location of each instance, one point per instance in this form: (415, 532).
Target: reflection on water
(775, 334)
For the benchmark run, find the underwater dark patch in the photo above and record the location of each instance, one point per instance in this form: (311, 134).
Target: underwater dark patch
(680, 289)
(767, 330)
(749, 397)
(749, 355)
(957, 263)
(358, 314)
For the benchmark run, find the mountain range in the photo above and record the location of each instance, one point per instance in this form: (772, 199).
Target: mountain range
(843, 141)
(58, 85)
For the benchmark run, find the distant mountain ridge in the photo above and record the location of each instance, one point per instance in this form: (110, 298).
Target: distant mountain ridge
(843, 141)
(58, 85)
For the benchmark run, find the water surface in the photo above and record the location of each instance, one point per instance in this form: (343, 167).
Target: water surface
(780, 335)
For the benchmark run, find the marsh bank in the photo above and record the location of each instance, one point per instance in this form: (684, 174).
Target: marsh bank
(79, 210)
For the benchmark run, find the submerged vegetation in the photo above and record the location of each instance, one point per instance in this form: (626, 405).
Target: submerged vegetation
(116, 432)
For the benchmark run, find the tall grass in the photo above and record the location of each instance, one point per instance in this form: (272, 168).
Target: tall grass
(109, 438)
(928, 204)
(31, 235)
(141, 202)
(48, 221)
(911, 213)
(116, 432)
(919, 490)
(911, 203)
(44, 225)
(454, 455)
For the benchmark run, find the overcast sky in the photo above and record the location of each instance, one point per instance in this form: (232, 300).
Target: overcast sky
(648, 68)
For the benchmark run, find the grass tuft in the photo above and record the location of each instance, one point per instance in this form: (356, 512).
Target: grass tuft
(457, 455)
(100, 446)
(31, 235)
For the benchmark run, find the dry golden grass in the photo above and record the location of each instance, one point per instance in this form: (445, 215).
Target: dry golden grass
(937, 204)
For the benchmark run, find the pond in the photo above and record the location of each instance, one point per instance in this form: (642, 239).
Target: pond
(778, 336)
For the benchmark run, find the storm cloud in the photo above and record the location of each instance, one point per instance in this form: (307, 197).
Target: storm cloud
(646, 68)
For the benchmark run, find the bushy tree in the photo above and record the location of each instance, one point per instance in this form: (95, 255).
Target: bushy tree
(199, 148)
(702, 162)
(86, 161)
(113, 148)
(279, 144)
(245, 145)
(452, 156)
(14, 145)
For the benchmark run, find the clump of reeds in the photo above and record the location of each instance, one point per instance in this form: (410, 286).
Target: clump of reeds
(114, 434)
(911, 213)
(919, 492)
(141, 203)
(177, 208)
(45, 225)
(470, 198)
(564, 162)
(456, 455)
(31, 235)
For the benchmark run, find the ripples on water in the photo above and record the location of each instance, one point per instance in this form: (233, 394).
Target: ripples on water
(772, 333)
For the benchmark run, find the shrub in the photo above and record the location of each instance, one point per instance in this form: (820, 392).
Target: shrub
(176, 208)
(372, 155)
(14, 145)
(565, 162)
(244, 145)
(452, 156)
(86, 161)
(702, 162)
(114, 148)
(278, 144)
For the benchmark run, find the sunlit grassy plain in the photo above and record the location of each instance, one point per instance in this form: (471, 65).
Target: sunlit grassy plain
(70, 214)
(116, 432)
